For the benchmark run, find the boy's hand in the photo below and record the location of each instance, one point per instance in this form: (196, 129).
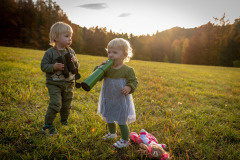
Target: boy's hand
(126, 90)
(73, 58)
(58, 66)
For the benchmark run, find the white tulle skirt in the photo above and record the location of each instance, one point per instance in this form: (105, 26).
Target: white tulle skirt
(113, 106)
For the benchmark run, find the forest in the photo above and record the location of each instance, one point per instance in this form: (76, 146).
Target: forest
(26, 24)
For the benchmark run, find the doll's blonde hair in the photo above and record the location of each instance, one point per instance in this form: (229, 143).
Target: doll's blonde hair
(122, 44)
(57, 29)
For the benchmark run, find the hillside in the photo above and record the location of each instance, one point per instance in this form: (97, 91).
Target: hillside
(193, 109)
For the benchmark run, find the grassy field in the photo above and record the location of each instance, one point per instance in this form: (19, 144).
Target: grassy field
(195, 110)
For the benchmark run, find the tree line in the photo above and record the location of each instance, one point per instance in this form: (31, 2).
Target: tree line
(27, 24)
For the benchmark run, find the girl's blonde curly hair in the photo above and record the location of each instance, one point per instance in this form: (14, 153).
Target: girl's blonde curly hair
(122, 44)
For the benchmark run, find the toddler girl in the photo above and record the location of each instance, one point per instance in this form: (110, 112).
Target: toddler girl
(116, 101)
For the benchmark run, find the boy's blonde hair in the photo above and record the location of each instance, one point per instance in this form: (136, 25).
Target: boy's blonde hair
(57, 29)
(122, 44)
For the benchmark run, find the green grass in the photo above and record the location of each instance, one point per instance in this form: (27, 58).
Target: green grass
(193, 109)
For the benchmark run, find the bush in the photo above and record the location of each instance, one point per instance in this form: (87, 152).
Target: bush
(236, 63)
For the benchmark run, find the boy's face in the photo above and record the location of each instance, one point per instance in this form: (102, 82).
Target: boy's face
(64, 39)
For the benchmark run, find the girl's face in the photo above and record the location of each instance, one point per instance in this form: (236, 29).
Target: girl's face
(117, 55)
(64, 40)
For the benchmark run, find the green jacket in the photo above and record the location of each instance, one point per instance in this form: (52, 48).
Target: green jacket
(49, 59)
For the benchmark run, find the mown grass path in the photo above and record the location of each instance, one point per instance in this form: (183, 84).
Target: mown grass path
(193, 109)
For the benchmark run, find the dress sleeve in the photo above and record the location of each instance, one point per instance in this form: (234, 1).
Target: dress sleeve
(132, 80)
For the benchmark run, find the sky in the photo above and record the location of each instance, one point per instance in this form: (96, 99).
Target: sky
(142, 17)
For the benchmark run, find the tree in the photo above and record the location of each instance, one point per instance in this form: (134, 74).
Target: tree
(27, 24)
(9, 29)
(231, 45)
(177, 51)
